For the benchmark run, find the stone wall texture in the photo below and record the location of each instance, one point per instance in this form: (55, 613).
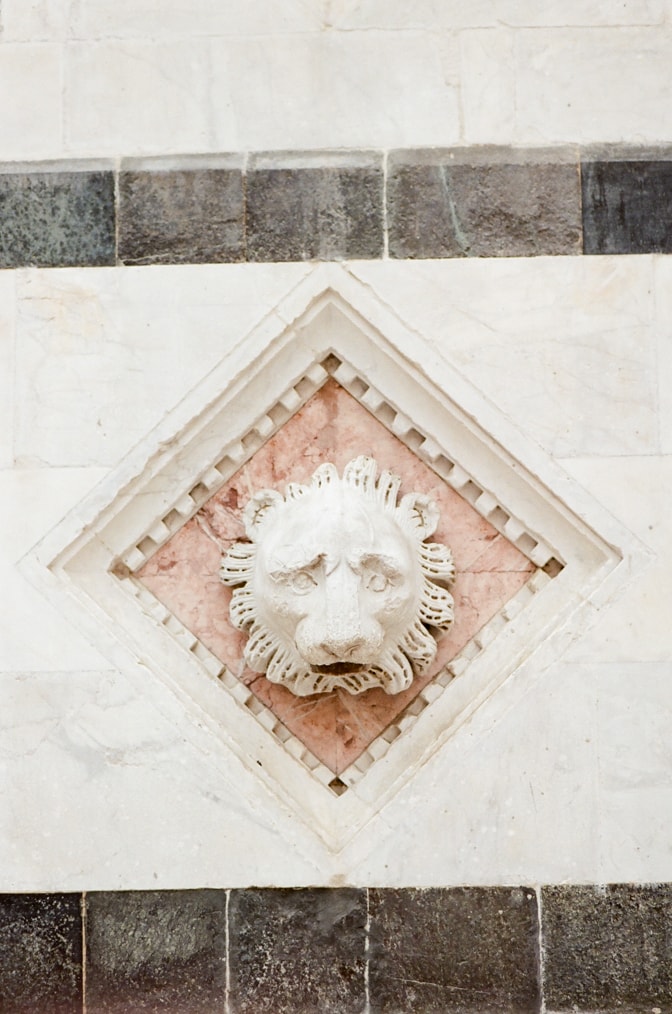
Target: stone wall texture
(449, 951)
(301, 206)
(497, 176)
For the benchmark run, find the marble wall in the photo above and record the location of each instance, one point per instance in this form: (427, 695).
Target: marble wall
(128, 77)
(169, 177)
(97, 357)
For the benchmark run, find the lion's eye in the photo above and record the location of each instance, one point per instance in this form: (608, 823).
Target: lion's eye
(302, 582)
(377, 582)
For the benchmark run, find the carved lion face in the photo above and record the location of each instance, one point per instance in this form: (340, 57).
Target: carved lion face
(337, 585)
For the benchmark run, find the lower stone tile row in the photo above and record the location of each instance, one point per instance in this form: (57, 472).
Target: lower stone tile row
(338, 205)
(471, 950)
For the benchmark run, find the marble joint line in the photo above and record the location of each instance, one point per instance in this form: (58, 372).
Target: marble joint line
(328, 205)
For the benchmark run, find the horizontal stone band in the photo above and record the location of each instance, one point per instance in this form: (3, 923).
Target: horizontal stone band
(345, 205)
(342, 949)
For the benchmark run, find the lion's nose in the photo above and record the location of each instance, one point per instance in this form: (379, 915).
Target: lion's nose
(343, 647)
(343, 636)
(340, 633)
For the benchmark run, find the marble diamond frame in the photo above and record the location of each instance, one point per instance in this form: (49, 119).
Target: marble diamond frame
(332, 325)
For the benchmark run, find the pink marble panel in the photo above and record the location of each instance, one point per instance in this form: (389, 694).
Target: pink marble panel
(332, 426)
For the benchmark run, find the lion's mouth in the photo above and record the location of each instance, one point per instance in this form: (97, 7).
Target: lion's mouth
(339, 668)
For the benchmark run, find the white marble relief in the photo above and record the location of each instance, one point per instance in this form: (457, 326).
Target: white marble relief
(267, 368)
(337, 586)
(489, 795)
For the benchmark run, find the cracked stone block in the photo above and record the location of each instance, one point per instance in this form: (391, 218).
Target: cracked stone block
(464, 950)
(57, 219)
(150, 951)
(441, 204)
(297, 951)
(40, 953)
(627, 207)
(181, 216)
(332, 210)
(608, 948)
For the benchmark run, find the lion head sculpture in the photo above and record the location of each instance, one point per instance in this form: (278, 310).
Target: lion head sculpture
(337, 586)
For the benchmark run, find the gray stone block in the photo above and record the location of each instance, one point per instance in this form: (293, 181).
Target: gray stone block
(608, 948)
(151, 951)
(627, 207)
(301, 212)
(57, 219)
(444, 205)
(181, 216)
(297, 951)
(462, 950)
(40, 953)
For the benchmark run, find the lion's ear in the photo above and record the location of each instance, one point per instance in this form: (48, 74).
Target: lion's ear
(422, 513)
(257, 509)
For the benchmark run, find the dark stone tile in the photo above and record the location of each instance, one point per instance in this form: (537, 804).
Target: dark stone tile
(56, 219)
(438, 206)
(40, 954)
(627, 207)
(297, 951)
(328, 212)
(608, 948)
(156, 951)
(469, 950)
(185, 216)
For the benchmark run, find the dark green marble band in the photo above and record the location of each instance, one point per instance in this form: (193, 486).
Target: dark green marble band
(459, 950)
(322, 205)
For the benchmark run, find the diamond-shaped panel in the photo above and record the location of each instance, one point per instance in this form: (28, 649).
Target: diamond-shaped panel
(332, 426)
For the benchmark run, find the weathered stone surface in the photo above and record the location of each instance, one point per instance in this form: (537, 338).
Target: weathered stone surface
(627, 207)
(442, 204)
(40, 953)
(332, 210)
(181, 216)
(156, 951)
(56, 219)
(608, 948)
(466, 950)
(297, 951)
